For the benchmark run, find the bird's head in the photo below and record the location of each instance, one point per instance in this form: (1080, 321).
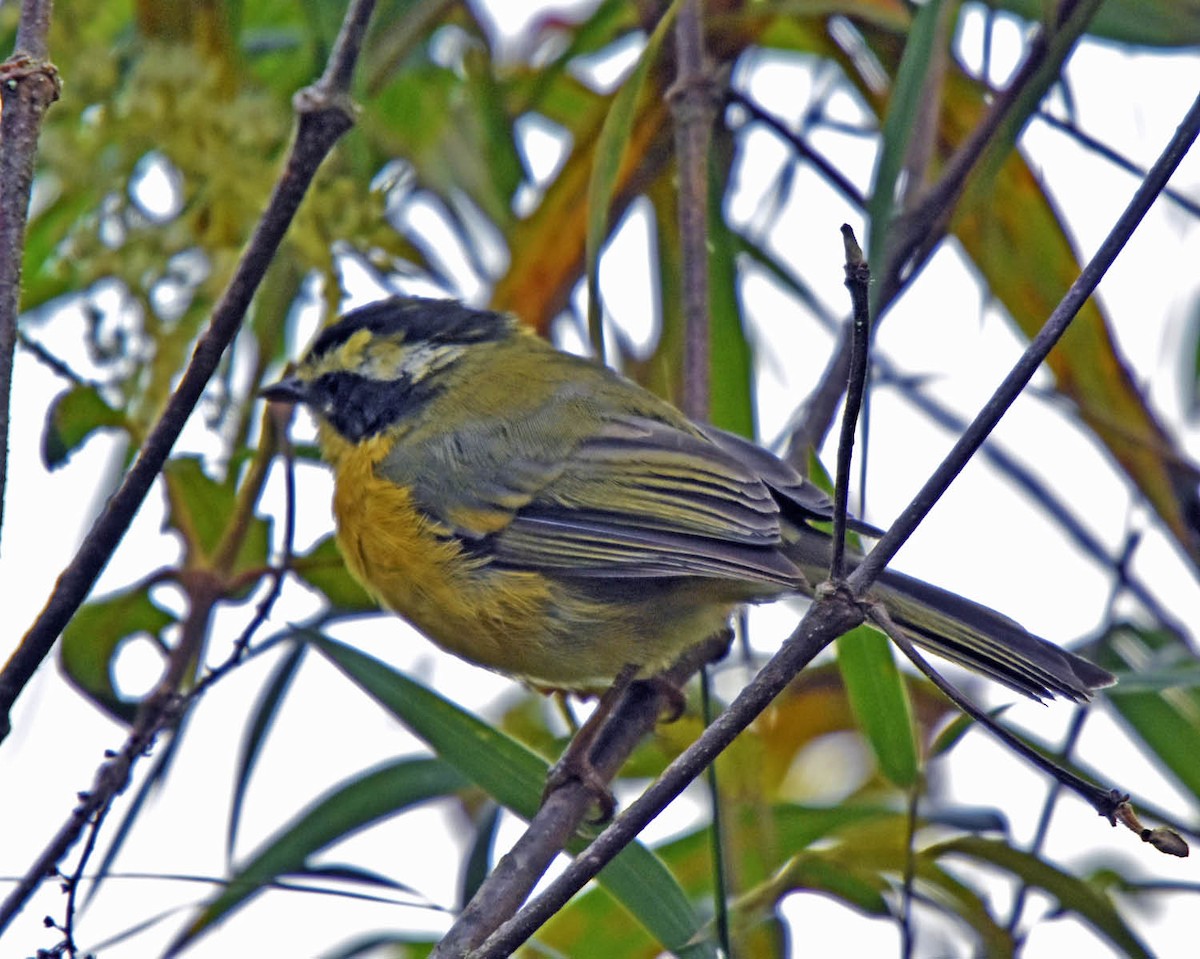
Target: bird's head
(379, 364)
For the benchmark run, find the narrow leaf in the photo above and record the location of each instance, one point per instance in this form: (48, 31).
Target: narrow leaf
(514, 776)
(1072, 893)
(606, 165)
(342, 812)
(261, 721)
(880, 702)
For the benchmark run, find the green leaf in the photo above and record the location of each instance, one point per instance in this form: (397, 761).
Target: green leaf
(731, 374)
(479, 858)
(345, 810)
(1155, 23)
(606, 165)
(880, 702)
(1073, 894)
(93, 637)
(1167, 720)
(514, 776)
(200, 509)
(261, 721)
(323, 569)
(908, 99)
(74, 415)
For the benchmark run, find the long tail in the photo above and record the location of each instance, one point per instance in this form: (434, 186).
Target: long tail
(964, 631)
(986, 641)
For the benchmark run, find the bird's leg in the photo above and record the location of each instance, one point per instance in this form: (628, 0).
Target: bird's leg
(576, 763)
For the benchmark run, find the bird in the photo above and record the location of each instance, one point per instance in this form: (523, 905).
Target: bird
(539, 514)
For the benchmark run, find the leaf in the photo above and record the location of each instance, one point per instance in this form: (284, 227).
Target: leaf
(201, 511)
(1155, 23)
(479, 858)
(880, 702)
(1073, 894)
(1166, 720)
(346, 809)
(615, 136)
(731, 367)
(906, 102)
(73, 416)
(92, 639)
(261, 721)
(514, 777)
(452, 130)
(323, 569)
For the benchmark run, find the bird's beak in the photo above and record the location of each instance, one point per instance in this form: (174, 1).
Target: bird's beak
(291, 389)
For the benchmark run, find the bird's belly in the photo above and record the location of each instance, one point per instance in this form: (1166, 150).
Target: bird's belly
(554, 632)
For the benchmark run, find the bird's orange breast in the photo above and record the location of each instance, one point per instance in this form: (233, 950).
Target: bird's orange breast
(416, 566)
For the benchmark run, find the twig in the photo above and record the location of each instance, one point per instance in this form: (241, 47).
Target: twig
(1102, 799)
(832, 174)
(917, 232)
(29, 83)
(1112, 804)
(1033, 356)
(1115, 158)
(858, 278)
(325, 112)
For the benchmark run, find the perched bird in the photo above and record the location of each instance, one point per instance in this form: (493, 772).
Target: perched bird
(543, 516)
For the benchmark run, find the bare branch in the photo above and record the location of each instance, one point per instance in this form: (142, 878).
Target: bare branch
(1033, 356)
(694, 105)
(29, 83)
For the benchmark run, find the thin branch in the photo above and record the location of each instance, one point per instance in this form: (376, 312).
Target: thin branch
(29, 84)
(918, 231)
(835, 177)
(564, 809)
(1112, 804)
(858, 279)
(325, 113)
(1033, 356)
(826, 619)
(1115, 158)
(1105, 801)
(693, 104)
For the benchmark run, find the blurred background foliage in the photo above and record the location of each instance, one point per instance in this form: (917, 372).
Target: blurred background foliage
(152, 171)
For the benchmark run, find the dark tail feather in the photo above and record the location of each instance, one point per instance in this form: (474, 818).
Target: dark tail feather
(986, 641)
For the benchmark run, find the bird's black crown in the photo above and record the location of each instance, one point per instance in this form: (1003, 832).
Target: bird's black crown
(418, 320)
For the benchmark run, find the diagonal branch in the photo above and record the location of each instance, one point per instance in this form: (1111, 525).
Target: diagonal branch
(833, 613)
(565, 808)
(916, 233)
(826, 619)
(1056, 325)
(325, 112)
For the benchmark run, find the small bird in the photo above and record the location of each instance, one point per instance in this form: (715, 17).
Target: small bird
(541, 515)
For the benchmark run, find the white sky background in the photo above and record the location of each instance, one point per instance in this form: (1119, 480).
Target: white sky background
(942, 326)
